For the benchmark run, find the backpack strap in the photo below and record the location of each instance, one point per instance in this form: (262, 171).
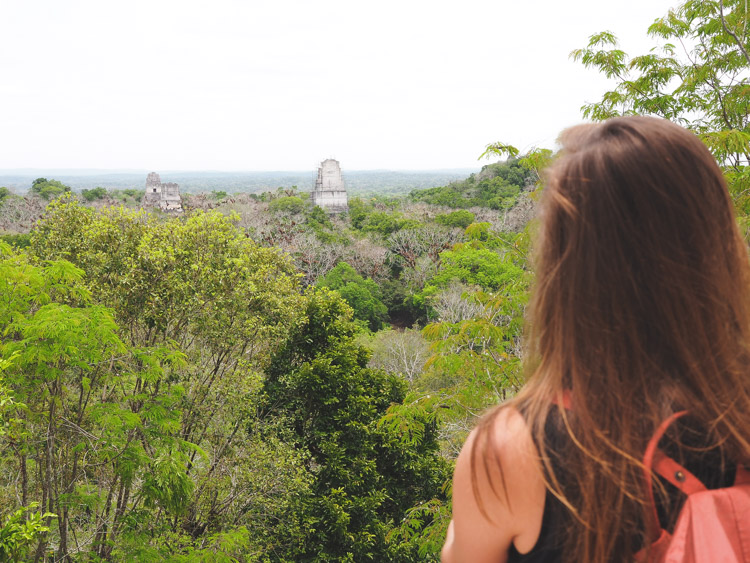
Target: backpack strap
(676, 474)
(564, 399)
(656, 461)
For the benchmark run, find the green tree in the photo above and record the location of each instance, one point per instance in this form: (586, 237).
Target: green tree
(70, 449)
(385, 223)
(287, 204)
(473, 265)
(696, 77)
(48, 189)
(363, 295)
(96, 193)
(496, 186)
(318, 217)
(19, 532)
(19, 241)
(196, 291)
(460, 219)
(358, 211)
(319, 222)
(377, 217)
(367, 475)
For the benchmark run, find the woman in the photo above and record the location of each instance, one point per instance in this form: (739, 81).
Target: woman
(640, 309)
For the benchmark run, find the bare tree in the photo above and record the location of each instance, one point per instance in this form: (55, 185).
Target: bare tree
(516, 218)
(19, 214)
(436, 239)
(417, 276)
(368, 258)
(253, 214)
(454, 304)
(422, 211)
(400, 352)
(313, 257)
(406, 246)
(191, 202)
(279, 230)
(485, 215)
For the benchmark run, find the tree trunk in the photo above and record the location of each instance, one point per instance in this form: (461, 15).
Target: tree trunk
(100, 541)
(24, 478)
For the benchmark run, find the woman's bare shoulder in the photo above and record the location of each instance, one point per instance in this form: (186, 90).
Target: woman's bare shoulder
(498, 492)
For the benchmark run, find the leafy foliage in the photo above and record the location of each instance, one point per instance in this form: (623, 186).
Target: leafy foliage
(287, 204)
(370, 217)
(365, 476)
(48, 189)
(164, 432)
(362, 295)
(696, 77)
(95, 193)
(497, 186)
(460, 219)
(475, 266)
(17, 240)
(19, 531)
(482, 262)
(475, 359)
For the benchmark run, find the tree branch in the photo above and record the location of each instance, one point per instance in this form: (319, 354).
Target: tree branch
(730, 32)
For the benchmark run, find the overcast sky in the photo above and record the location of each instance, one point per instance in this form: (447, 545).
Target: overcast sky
(283, 84)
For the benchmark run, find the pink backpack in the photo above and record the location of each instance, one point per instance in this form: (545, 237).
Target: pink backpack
(713, 525)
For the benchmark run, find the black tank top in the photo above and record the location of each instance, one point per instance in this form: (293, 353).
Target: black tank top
(709, 466)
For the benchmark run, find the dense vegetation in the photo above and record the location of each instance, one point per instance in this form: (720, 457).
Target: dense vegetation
(174, 388)
(257, 380)
(183, 394)
(496, 187)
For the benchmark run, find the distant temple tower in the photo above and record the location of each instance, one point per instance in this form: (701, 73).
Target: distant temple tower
(164, 196)
(330, 192)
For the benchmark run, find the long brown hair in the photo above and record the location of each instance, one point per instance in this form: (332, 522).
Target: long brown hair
(640, 307)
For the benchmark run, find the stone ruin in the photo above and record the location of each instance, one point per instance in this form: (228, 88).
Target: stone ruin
(164, 196)
(329, 192)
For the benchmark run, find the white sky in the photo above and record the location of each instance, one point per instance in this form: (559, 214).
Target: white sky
(283, 84)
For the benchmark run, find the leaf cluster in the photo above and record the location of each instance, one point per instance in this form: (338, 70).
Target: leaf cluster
(697, 76)
(48, 189)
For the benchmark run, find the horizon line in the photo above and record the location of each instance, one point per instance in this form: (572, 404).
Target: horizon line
(216, 170)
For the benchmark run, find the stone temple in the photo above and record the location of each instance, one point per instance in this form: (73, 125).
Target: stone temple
(329, 192)
(164, 196)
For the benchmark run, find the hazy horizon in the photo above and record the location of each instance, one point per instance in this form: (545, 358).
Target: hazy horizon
(98, 171)
(196, 181)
